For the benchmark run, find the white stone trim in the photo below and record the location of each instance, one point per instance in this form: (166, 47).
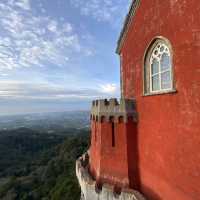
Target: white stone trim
(147, 85)
(89, 190)
(112, 108)
(160, 72)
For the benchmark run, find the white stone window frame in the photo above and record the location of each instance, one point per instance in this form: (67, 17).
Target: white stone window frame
(157, 54)
(147, 75)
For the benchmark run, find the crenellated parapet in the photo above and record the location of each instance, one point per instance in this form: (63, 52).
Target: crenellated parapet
(113, 124)
(90, 189)
(106, 110)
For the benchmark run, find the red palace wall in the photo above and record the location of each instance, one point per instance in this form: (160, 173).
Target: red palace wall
(112, 164)
(168, 138)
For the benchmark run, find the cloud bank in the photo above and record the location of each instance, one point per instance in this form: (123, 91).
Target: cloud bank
(43, 91)
(42, 56)
(103, 10)
(28, 40)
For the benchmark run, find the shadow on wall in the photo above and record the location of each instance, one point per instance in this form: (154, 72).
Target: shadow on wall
(134, 162)
(133, 154)
(151, 194)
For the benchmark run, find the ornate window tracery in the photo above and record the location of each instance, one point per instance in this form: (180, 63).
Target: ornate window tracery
(158, 68)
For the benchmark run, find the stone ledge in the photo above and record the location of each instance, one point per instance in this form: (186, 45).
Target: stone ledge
(89, 186)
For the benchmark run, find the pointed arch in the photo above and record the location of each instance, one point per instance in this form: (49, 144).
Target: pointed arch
(158, 69)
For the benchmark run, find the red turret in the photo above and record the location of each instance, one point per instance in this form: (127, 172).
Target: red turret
(113, 128)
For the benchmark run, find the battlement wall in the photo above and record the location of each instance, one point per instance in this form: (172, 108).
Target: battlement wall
(113, 125)
(90, 189)
(103, 110)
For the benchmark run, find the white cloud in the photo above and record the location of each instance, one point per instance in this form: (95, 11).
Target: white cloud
(46, 91)
(24, 4)
(102, 10)
(67, 27)
(4, 74)
(109, 88)
(52, 26)
(28, 40)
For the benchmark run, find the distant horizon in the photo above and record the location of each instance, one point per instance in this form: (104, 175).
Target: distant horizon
(41, 113)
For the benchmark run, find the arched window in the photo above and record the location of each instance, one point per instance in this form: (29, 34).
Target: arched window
(158, 69)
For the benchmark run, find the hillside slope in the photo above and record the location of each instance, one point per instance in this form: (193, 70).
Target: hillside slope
(53, 175)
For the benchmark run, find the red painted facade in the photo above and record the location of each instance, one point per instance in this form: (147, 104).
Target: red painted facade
(109, 158)
(169, 124)
(160, 156)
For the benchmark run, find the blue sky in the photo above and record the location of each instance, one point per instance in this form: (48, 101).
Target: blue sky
(58, 55)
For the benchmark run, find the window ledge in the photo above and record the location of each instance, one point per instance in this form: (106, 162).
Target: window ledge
(160, 93)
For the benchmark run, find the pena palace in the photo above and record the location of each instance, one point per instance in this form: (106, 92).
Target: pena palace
(146, 146)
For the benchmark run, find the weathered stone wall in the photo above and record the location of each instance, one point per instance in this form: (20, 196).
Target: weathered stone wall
(168, 124)
(90, 190)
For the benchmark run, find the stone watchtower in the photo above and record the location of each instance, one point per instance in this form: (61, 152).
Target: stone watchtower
(108, 170)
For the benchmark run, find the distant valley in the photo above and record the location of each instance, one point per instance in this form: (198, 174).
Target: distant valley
(38, 154)
(51, 122)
